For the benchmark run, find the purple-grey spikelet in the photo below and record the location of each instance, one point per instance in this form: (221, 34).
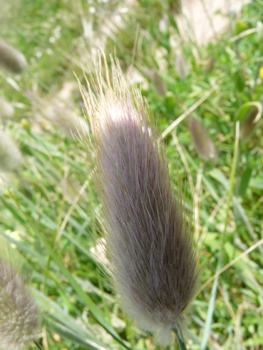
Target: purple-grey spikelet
(148, 239)
(204, 145)
(19, 318)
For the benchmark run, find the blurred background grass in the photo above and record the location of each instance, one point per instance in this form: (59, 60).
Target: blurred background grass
(47, 205)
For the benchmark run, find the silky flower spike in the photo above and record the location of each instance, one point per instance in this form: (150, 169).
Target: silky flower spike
(149, 242)
(19, 317)
(11, 60)
(205, 147)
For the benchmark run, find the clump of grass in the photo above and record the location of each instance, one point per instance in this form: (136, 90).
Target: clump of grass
(148, 235)
(11, 59)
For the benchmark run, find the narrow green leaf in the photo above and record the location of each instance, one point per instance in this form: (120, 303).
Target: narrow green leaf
(243, 268)
(205, 180)
(256, 183)
(220, 177)
(253, 342)
(60, 315)
(17, 215)
(75, 338)
(239, 80)
(47, 222)
(240, 214)
(244, 181)
(209, 315)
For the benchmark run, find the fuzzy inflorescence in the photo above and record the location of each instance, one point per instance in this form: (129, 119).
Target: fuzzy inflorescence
(149, 241)
(19, 318)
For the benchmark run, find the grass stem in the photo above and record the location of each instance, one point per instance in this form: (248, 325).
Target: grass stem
(179, 337)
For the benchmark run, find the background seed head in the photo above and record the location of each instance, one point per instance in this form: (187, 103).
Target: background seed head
(148, 236)
(60, 115)
(10, 156)
(248, 126)
(19, 318)
(205, 147)
(181, 67)
(6, 109)
(70, 123)
(158, 83)
(11, 60)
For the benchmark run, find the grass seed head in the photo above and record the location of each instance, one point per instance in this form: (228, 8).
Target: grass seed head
(181, 67)
(61, 115)
(148, 237)
(158, 83)
(19, 318)
(204, 145)
(6, 109)
(70, 123)
(10, 156)
(11, 60)
(248, 126)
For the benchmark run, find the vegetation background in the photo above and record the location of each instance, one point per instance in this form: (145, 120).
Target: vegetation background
(47, 206)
